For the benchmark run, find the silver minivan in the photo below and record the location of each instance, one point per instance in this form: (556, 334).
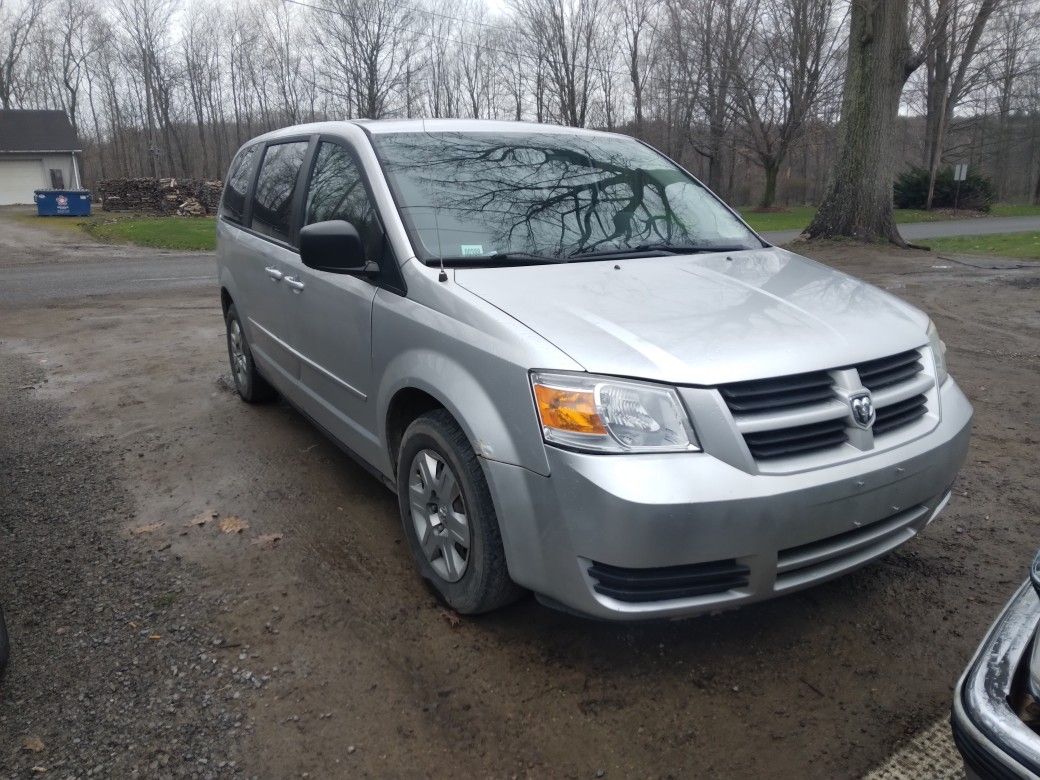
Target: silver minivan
(582, 373)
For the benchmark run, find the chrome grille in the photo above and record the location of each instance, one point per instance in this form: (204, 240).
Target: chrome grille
(802, 413)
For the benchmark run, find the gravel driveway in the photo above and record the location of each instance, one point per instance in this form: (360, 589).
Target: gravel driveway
(142, 500)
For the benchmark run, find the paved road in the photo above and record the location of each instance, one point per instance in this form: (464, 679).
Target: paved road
(955, 227)
(40, 264)
(45, 281)
(36, 266)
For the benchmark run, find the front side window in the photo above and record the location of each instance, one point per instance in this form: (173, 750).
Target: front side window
(337, 191)
(239, 178)
(275, 188)
(482, 195)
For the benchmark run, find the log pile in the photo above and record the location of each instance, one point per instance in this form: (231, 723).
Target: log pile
(184, 197)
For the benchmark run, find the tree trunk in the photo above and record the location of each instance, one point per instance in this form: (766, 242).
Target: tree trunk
(771, 169)
(858, 203)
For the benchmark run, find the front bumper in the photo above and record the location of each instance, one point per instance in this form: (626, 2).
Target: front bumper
(992, 738)
(787, 531)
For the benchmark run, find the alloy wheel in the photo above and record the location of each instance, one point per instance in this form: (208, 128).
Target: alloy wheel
(239, 362)
(438, 512)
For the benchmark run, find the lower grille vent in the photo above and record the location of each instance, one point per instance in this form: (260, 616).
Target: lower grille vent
(668, 582)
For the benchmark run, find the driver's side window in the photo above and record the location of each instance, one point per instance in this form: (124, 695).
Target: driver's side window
(337, 191)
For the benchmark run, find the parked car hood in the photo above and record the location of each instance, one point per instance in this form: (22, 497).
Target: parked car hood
(703, 319)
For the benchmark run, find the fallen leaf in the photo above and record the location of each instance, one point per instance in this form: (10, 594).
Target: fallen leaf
(233, 524)
(203, 517)
(267, 540)
(146, 529)
(32, 745)
(453, 618)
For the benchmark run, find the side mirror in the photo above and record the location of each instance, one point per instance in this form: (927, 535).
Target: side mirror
(334, 246)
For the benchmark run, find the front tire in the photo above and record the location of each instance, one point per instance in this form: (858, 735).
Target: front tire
(449, 518)
(252, 388)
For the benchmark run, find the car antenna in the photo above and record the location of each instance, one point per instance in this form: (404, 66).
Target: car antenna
(443, 275)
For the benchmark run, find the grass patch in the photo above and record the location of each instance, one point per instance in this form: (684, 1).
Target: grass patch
(799, 217)
(794, 218)
(189, 233)
(1014, 210)
(1022, 246)
(185, 233)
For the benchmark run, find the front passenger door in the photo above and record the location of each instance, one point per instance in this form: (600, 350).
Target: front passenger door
(333, 328)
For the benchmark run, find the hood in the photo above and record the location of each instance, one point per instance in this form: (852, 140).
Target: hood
(703, 319)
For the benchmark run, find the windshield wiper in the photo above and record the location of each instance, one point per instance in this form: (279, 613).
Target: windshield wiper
(663, 247)
(498, 258)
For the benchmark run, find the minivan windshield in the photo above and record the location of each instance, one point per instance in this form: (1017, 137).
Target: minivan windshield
(504, 197)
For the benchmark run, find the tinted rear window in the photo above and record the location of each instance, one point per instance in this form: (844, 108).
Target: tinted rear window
(239, 177)
(275, 188)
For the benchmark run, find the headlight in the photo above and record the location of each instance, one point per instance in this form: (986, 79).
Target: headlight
(938, 347)
(601, 414)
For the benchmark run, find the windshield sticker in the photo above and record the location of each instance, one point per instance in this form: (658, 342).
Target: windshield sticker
(469, 250)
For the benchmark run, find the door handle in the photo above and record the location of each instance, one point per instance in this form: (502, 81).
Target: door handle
(294, 283)
(274, 273)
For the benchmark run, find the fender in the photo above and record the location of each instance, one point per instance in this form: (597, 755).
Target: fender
(469, 356)
(491, 419)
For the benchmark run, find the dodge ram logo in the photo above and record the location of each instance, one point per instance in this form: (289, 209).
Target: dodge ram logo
(862, 410)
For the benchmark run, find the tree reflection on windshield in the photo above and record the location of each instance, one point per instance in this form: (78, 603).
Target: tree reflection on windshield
(480, 194)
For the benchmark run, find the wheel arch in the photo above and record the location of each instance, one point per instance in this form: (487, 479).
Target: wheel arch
(418, 380)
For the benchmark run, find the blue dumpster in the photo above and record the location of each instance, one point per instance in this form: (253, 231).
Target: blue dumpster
(62, 203)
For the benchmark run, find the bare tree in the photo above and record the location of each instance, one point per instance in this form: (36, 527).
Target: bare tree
(710, 39)
(791, 60)
(78, 28)
(367, 45)
(955, 29)
(641, 18)
(564, 35)
(858, 203)
(1015, 33)
(17, 20)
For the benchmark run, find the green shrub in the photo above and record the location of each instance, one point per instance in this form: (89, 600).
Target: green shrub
(911, 190)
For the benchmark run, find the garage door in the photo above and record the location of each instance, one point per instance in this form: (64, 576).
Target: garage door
(18, 179)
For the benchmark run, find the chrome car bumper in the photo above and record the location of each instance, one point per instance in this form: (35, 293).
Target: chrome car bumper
(992, 738)
(650, 536)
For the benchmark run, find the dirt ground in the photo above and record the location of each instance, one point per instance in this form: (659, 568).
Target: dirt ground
(359, 671)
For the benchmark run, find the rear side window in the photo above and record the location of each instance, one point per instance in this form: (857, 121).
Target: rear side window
(275, 187)
(241, 173)
(337, 191)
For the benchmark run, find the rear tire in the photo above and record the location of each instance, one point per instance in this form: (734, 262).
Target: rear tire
(252, 388)
(449, 518)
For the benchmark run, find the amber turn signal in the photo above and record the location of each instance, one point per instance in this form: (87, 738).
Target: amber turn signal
(568, 410)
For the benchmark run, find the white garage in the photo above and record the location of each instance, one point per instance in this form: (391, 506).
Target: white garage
(37, 151)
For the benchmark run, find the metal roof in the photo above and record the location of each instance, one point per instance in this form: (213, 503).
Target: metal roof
(36, 131)
(380, 126)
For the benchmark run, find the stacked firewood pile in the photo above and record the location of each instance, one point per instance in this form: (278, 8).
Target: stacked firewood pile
(185, 197)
